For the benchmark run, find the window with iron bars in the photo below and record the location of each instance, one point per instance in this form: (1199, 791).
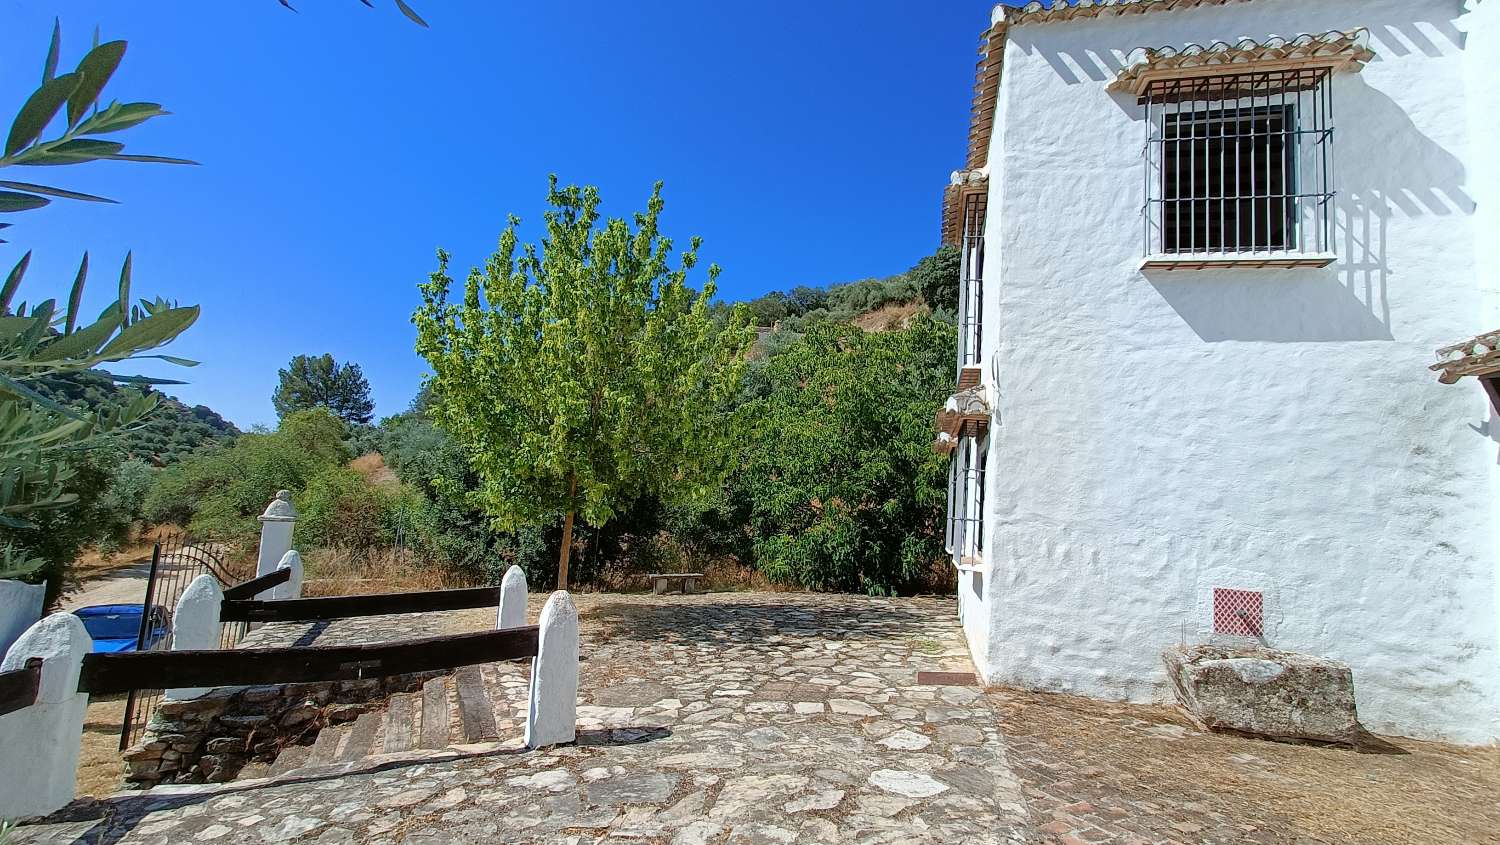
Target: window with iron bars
(1240, 164)
(971, 281)
(964, 537)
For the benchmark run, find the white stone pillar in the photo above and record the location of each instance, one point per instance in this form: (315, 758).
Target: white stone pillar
(292, 587)
(20, 608)
(552, 717)
(39, 745)
(512, 599)
(276, 526)
(195, 624)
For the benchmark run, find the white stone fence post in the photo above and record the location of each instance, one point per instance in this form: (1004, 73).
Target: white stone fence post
(291, 588)
(512, 600)
(40, 744)
(20, 608)
(276, 526)
(195, 624)
(552, 715)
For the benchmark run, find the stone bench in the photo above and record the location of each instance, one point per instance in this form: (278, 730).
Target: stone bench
(687, 582)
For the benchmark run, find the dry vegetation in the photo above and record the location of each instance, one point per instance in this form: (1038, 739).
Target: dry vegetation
(893, 316)
(100, 771)
(1140, 758)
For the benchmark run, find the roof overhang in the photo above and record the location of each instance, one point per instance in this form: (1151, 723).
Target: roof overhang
(1478, 356)
(1334, 51)
(1061, 10)
(965, 414)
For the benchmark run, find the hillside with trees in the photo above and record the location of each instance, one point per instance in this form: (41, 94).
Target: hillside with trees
(827, 428)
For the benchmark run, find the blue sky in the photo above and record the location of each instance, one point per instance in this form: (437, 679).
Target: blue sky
(807, 142)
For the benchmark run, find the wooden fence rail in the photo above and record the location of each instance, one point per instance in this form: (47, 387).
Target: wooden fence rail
(18, 688)
(104, 674)
(340, 607)
(255, 586)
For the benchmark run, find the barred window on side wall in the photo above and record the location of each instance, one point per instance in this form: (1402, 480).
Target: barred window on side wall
(1239, 165)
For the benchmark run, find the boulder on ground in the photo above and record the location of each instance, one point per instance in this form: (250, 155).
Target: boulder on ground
(1263, 692)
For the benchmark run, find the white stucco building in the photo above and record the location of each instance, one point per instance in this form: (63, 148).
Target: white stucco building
(1210, 247)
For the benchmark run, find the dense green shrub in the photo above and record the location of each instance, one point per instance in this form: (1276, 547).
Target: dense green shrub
(219, 493)
(838, 480)
(340, 510)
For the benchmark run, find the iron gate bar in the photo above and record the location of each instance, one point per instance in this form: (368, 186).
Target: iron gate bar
(341, 607)
(255, 586)
(176, 560)
(108, 673)
(19, 687)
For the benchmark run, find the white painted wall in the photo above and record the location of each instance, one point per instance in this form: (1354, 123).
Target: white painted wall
(20, 608)
(1160, 434)
(40, 745)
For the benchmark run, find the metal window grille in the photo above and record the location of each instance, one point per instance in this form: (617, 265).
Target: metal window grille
(965, 532)
(971, 284)
(1239, 164)
(950, 524)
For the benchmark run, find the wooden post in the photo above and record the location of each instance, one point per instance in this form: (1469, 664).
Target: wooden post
(1492, 387)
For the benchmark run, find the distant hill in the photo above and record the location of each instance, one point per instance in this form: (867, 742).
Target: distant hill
(173, 430)
(873, 304)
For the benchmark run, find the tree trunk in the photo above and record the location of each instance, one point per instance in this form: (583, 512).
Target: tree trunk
(567, 537)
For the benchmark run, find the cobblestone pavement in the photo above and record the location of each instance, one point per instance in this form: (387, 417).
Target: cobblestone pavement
(726, 718)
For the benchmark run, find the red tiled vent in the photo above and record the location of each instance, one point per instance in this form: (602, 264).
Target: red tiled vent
(1238, 613)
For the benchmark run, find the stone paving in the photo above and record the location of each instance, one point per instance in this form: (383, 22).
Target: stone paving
(727, 718)
(778, 718)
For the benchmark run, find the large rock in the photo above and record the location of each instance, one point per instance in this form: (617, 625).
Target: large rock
(1263, 692)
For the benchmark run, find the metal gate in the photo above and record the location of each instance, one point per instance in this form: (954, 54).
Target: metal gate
(176, 560)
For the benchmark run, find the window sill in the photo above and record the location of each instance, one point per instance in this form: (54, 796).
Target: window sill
(1249, 261)
(972, 564)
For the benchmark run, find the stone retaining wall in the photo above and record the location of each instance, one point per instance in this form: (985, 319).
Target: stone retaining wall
(210, 738)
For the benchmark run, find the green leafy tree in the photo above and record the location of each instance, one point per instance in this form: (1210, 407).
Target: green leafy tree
(583, 374)
(936, 276)
(40, 437)
(836, 473)
(318, 381)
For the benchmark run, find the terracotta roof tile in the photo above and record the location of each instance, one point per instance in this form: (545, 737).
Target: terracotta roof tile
(1340, 50)
(1060, 10)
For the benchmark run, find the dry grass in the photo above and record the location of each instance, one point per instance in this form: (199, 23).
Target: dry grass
(100, 771)
(892, 316)
(372, 467)
(330, 572)
(1116, 755)
(92, 563)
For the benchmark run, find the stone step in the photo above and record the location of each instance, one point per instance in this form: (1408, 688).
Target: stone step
(475, 704)
(361, 740)
(325, 748)
(400, 721)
